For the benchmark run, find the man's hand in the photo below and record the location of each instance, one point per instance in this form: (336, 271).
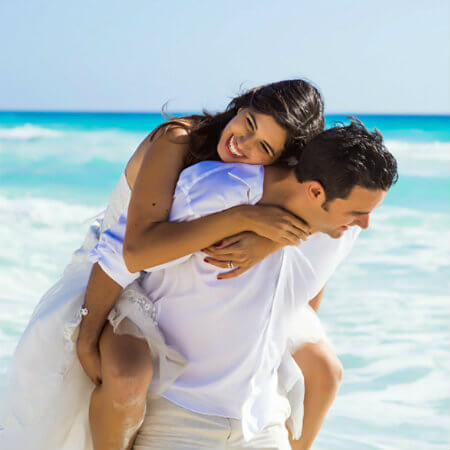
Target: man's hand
(89, 356)
(244, 250)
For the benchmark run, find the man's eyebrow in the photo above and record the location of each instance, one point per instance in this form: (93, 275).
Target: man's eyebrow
(256, 127)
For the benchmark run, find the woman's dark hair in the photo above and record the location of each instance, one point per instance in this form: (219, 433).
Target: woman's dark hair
(346, 156)
(296, 105)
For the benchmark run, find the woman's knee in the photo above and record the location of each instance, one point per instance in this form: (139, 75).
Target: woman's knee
(334, 371)
(126, 366)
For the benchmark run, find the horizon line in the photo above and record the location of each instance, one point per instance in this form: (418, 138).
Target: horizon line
(187, 112)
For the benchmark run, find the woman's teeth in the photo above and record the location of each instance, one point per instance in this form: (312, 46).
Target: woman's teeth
(233, 147)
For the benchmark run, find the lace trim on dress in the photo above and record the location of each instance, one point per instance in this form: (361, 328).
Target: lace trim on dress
(140, 299)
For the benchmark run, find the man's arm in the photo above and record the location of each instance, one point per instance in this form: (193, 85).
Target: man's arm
(315, 302)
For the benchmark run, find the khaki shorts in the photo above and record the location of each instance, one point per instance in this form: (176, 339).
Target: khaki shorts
(169, 426)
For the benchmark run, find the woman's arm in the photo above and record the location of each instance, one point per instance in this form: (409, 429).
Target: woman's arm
(101, 295)
(150, 240)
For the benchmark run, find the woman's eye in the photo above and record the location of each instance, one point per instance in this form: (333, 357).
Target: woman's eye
(250, 124)
(266, 149)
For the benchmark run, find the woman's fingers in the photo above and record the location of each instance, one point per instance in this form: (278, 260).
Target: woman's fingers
(224, 264)
(295, 238)
(232, 252)
(295, 226)
(291, 220)
(233, 273)
(215, 252)
(300, 224)
(226, 256)
(289, 236)
(224, 243)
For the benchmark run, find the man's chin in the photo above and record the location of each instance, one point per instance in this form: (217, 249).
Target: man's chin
(336, 234)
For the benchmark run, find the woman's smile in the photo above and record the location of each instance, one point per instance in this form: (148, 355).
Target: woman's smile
(233, 148)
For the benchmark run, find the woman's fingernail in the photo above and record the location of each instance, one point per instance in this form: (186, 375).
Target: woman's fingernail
(206, 260)
(219, 244)
(219, 277)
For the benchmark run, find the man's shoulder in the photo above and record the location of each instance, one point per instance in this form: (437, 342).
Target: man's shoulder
(343, 244)
(321, 250)
(351, 235)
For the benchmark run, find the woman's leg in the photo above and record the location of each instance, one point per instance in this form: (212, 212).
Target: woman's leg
(323, 375)
(118, 405)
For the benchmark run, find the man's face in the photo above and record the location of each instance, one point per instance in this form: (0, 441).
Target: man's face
(334, 217)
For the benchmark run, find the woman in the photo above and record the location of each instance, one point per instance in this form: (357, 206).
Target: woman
(291, 104)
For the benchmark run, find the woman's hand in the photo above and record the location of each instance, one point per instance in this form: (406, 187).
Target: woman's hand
(276, 224)
(89, 356)
(244, 250)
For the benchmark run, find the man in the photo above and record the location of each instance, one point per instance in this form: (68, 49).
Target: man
(240, 385)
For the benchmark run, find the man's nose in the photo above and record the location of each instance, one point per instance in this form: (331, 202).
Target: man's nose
(363, 221)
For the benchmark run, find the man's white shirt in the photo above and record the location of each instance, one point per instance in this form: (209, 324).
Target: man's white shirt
(233, 333)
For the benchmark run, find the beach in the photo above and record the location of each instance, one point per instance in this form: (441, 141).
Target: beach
(385, 309)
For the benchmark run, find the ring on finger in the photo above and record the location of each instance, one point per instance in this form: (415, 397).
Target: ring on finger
(230, 265)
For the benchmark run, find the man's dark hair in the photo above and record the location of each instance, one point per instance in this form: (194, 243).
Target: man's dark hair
(346, 156)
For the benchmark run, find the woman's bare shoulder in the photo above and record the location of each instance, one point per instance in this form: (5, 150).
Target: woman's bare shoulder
(171, 138)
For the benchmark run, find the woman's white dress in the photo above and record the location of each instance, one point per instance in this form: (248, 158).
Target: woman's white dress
(48, 394)
(46, 404)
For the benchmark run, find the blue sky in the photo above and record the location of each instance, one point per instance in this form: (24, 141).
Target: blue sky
(367, 56)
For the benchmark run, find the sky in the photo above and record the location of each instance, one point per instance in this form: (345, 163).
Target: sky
(366, 56)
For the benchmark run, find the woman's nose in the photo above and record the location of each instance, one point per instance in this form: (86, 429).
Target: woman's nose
(245, 138)
(246, 142)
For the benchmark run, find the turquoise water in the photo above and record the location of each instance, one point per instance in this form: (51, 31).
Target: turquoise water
(386, 309)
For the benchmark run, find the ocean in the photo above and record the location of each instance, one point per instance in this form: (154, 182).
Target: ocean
(386, 309)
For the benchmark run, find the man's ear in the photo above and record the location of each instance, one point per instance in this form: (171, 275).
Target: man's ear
(316, 192)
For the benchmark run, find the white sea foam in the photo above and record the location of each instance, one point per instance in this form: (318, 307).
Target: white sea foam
(27, 132)
(422, 151)
(421, 158)
(38, 237)
(72, 146)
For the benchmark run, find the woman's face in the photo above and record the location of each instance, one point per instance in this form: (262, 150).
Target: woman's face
(251, 138)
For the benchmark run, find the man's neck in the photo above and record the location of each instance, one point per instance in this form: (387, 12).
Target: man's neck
(281, 188)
